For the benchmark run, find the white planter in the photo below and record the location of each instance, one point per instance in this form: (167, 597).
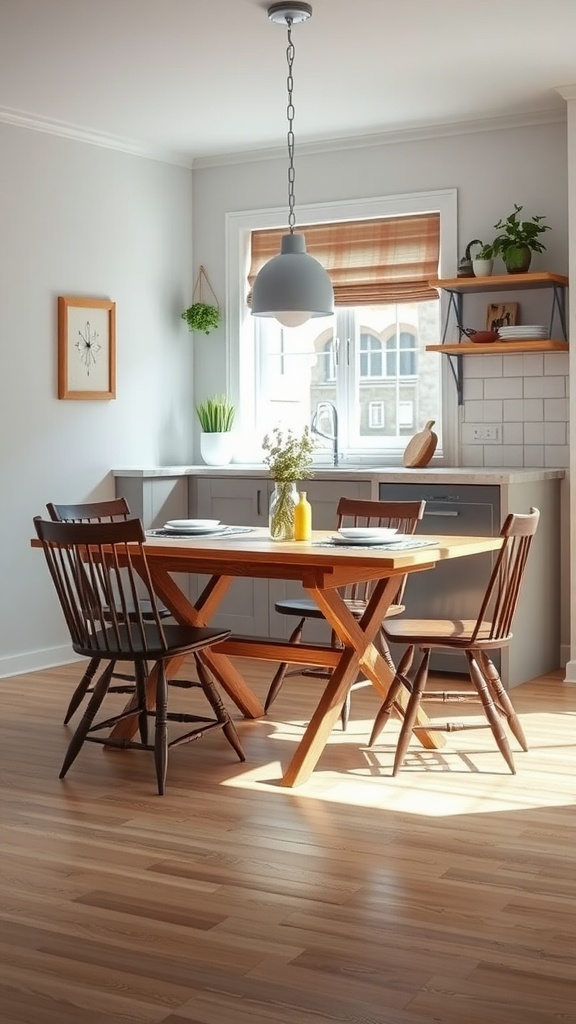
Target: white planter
(482, 268)
(217, 449)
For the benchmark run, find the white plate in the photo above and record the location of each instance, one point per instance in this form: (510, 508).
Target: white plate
(195, 531)
(376, 533)
(191, 524)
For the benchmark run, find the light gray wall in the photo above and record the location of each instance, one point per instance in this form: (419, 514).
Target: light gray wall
(491, 170)
(82, 220)
(86, 221)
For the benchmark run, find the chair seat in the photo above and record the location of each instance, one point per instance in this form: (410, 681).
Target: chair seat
(126, 646)
(308, 608)
(439, 632)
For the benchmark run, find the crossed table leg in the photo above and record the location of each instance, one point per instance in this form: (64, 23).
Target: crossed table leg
(358, 653)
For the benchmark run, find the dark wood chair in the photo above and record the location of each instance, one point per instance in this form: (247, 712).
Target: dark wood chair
(109, 511)
(491, 631)
(351, 512)
(98, 570)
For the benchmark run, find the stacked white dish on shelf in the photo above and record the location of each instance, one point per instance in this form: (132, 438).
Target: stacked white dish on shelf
(523, 332)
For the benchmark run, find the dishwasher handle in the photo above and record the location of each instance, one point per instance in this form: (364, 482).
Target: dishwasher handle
(441, 512)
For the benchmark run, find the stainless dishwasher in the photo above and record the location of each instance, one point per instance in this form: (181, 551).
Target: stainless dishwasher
(452, 589)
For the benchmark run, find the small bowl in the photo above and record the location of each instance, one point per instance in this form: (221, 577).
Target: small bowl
(483, 337)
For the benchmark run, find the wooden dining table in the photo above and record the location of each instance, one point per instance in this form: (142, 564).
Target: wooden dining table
(322, 567)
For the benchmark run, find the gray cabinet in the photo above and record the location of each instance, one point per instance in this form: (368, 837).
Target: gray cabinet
(243, 501)
(455, 589)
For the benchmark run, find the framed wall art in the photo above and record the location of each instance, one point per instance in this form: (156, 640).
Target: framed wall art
(502, 314)
(86, 348)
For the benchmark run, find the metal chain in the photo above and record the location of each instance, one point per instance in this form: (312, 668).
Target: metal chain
(290, 115)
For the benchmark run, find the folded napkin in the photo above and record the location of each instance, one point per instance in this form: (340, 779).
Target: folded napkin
(389, 545)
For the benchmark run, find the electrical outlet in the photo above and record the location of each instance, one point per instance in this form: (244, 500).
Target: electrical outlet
(486, 435)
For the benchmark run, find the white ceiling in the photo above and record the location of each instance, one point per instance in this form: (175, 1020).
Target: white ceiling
(186, 79)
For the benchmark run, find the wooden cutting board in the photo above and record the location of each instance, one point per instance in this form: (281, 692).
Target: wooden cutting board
(421, 447)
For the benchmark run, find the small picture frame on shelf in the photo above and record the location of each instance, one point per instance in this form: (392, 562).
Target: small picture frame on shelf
(501, 314)
(86, 348)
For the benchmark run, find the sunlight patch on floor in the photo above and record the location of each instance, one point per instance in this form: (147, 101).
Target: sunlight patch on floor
(467, 776)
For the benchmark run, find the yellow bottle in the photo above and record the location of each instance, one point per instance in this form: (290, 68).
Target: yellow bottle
(303, 518)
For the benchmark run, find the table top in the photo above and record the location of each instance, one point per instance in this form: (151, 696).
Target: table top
(255, 552)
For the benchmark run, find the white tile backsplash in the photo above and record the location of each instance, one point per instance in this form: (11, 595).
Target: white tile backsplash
(526, 395)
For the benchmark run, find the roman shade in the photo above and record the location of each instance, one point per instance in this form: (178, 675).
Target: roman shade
(389, 259)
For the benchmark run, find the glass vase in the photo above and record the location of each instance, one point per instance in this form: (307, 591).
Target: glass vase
(283, 501)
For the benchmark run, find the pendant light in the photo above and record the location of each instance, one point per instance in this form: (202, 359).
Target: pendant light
(293, 286)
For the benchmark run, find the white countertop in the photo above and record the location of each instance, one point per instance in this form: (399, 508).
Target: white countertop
(392, 474)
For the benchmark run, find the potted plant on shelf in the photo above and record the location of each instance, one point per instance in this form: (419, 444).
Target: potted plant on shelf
(216, 417)
(519, 239)
(289, 459)
(483, 260)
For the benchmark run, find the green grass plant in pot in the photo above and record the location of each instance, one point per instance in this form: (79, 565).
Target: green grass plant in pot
(518, 240)
(216, 416)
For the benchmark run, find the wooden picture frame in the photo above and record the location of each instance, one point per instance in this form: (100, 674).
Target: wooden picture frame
(501, 314)
(86, 348)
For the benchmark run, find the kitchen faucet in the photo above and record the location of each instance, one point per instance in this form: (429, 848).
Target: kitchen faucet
(328, 409)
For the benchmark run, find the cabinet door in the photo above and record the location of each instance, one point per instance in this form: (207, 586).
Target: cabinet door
(237, 501)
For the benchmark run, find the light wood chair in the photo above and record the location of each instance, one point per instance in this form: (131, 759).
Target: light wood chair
(108, 511)
(98, 570)
(351, 512)
(491, 631)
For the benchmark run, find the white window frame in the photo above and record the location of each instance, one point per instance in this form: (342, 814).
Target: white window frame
(240, 379)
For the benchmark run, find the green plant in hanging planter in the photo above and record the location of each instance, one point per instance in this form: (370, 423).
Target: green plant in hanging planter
(202, 317)
(216, 415)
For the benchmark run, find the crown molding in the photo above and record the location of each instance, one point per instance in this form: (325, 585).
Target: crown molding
(417, 134)
(20, 119)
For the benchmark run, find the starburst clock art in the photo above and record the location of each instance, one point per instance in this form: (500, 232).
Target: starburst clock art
(86, 348)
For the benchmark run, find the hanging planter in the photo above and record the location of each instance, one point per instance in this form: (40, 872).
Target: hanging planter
(202, 316)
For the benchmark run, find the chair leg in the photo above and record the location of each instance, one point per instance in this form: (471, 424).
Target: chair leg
(100, 689)
(214, 699)
(490, 710)
(411, 712)
(278, 679)
(388, 705)
(141, 676)
(161, 730)
(490, 673)
(82, 688)
(345, 713)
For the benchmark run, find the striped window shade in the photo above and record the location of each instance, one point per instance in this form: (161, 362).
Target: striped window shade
(370, 262)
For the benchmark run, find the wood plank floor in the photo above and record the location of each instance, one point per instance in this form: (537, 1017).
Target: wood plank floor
(445, 895)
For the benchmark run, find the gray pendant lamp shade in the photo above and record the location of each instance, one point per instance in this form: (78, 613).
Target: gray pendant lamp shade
(293, 287)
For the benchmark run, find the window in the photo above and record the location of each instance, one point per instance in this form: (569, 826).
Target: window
(370, 356)
(369, 359)
(376, 415)
(401, 354)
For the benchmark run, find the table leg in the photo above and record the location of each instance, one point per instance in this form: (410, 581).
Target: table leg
(359, 653)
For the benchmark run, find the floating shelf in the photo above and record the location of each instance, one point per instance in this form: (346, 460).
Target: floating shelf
(456, 287)
(500, 282)
(500, 347)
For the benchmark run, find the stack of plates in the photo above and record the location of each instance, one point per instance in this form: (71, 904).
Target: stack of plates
(533, 331)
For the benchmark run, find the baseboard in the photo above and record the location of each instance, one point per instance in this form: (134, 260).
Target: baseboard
(35, 661)
(570, 672)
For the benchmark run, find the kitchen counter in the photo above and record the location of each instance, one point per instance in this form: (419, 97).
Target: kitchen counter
(374, 474)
